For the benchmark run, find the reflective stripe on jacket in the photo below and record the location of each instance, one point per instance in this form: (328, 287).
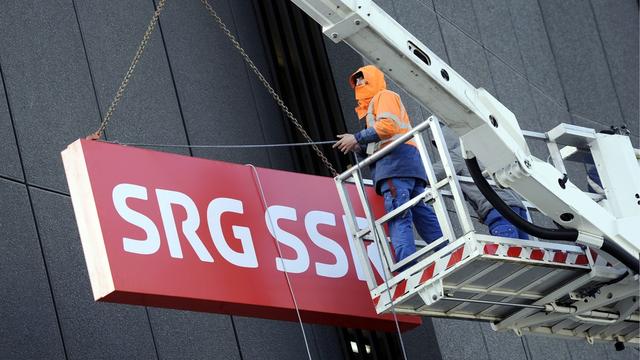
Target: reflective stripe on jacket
(387, 116)
(387, 120)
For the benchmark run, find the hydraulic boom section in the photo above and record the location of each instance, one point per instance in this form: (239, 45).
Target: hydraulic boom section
(490, 132)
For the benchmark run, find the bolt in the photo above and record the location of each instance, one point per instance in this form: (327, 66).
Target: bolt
(357, 22)
(334, 35)
(434, 297)
(527, 163)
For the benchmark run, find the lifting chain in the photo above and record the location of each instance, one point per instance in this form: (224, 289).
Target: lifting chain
(145, 39)
(136, 59)
(269, 88)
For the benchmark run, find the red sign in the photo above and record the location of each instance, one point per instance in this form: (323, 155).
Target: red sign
(166, 230)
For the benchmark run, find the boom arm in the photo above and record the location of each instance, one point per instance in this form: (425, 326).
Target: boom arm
(489, 131)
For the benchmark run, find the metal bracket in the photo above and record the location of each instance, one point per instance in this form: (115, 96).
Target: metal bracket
(432, 293)
(345, 28)
(567, 134)
(590, 240)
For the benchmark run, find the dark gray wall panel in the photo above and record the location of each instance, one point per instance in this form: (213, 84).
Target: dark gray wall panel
(326, 342)
(629, 353)
(618, 27)
(503, 345)
(534, 46)
(421, 343)
(547, 348)
(90, 330)
(494, 20)
(460, 339)
(419, 18)
(48, 84)
(344, 61)
(148, 112)
(28, 324)
(421, 21)
(550, 111)
(212, 83)
(270, 339)
(513, 91)
(191, 335)
(466, 57)
(269, 116)
(10, 160)
(461, 13)
(580, 59)
(582, 350)
(388, 7)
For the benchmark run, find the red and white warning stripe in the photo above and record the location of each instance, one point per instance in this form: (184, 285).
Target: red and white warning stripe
(541, 254)
(504, 250)
(430, 271)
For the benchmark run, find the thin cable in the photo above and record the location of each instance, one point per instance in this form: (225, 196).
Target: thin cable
(230, 146)
(286, 273)
(382, 261)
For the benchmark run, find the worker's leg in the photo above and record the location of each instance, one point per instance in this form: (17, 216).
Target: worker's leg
(499, 226)
(425, 219)
(397, 192)
(523, 214)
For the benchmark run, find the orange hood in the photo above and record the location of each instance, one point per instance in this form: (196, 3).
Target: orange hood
(374, 83)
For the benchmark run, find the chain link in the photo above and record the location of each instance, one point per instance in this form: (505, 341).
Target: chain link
(145, 39)
(269, 88)
(125, 81)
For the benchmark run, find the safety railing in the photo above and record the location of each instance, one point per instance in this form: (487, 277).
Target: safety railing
(432, 195)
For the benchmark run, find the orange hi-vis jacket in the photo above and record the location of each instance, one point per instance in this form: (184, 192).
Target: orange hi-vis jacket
(387, 115)
(386, 120)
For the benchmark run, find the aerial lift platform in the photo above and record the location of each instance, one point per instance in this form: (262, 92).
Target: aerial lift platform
(534, 286)
(579, 280)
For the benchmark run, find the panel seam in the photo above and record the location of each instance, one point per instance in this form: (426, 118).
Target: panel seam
(173, 81)
(86, 56)
(606, 60)
(555, 63)
(235, 335)
(22, 182)
(153, 337)
(252, 81)
(33, 214)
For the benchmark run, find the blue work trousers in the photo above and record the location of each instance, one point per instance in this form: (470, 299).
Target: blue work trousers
(499, 226)
(397, 191)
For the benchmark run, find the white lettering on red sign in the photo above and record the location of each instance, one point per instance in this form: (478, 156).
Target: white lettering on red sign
(247, 257)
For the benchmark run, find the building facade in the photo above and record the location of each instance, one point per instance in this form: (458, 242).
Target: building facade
(549, 61)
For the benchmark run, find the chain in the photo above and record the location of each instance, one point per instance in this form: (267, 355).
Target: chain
(270, 89)
(132, 67)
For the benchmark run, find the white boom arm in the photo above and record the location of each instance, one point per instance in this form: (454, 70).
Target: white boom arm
(489, 131)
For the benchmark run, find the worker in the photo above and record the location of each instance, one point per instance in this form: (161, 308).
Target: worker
(497, 224)
(399, 175)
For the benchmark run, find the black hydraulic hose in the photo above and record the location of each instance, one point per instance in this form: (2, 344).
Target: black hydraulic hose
(506, 211)
(624, 257)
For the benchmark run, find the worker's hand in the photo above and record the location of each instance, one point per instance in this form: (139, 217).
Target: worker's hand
(93, 136)
(346, 143)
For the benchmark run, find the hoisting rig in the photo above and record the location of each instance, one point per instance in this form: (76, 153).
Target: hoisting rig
(578, 280)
